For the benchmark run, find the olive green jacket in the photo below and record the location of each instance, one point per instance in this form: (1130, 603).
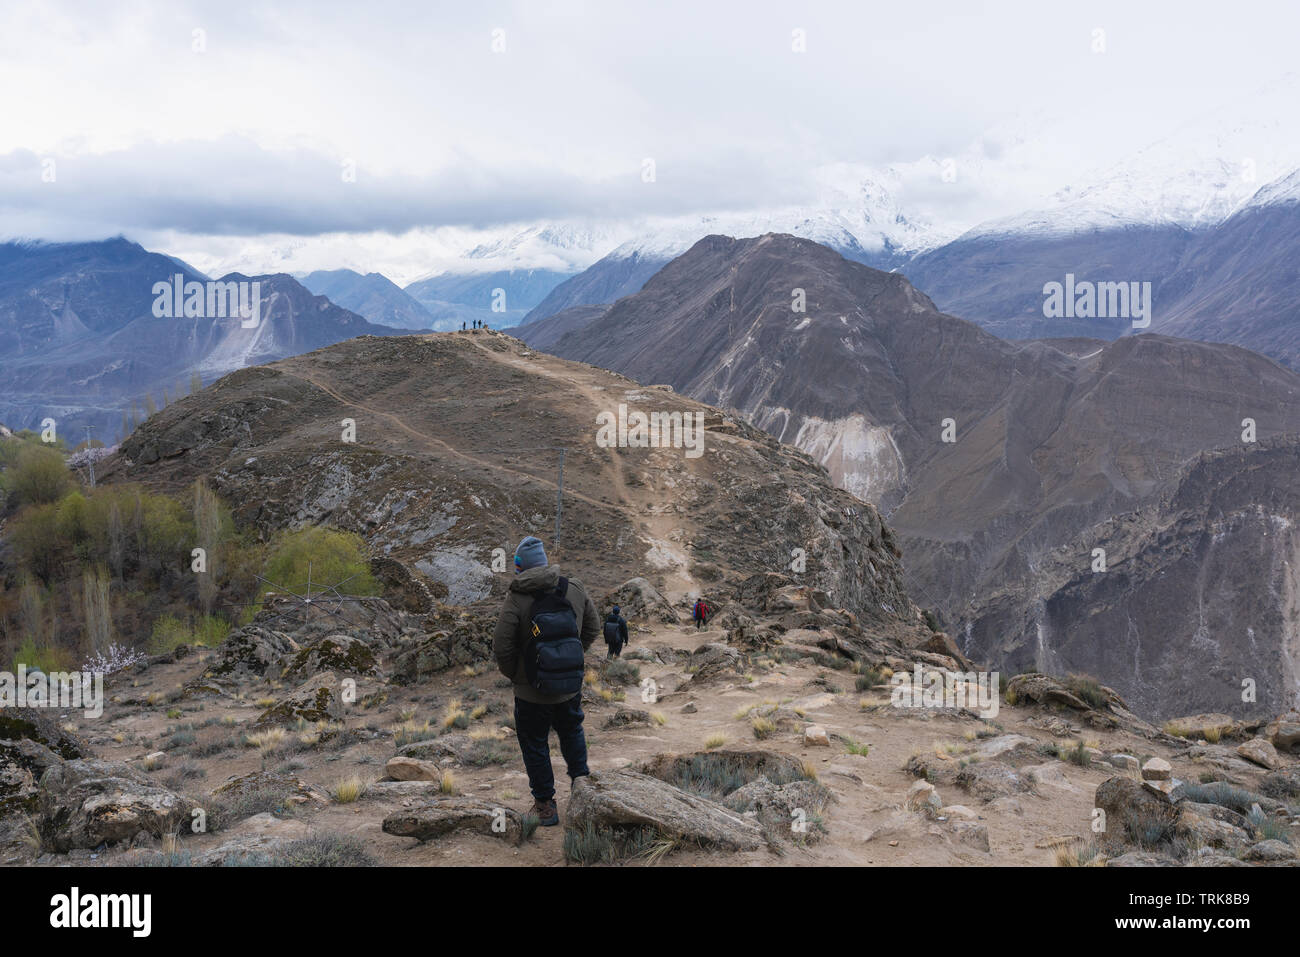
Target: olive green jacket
(511, 636)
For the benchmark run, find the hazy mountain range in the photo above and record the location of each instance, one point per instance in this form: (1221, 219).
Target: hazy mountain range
(80, 343)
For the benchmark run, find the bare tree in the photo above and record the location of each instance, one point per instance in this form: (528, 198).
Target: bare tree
(30, 607)
(207, 522)
(116, 540)
(96, 609)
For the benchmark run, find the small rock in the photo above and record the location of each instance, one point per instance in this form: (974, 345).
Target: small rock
(1157, 769)
(448, 814)
(1261, 751)
(626, 717)
(1125, 762)
(400, 768)
(922, 795)
(815, 736)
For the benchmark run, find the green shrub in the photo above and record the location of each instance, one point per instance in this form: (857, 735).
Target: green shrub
(170, 632)
(45, 657)
(331, 556)
(38, 476)
(1086, 689)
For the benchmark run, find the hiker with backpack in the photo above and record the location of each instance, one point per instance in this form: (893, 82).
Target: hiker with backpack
(700, 613)
(615, 633)
(546, 624)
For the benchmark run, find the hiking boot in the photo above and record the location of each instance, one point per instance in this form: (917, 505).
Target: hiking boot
(548, 815)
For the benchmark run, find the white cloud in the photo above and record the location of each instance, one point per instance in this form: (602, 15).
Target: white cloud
(241, 145)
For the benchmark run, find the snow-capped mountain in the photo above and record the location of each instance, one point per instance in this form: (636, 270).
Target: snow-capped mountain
(1195, 177)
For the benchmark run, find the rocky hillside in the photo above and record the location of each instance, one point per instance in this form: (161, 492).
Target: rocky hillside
(455, 456)
(987, 456)
(777, 736)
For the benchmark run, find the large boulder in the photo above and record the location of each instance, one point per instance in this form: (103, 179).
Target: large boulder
(1260, 751)
(1284, 732)
(401, 768)
(87, 802)
(37, 724)
(638, 600)
(989, 780)
(445, 815)
(1212, 825)
(408, 591)
(465, 642)
(284, 787)
(319, 699)
(1135, 813)
(1269, 851)
(713, 662)
(625, 799)
(31, 742)
(340, 653)
(455, 746)
(254, 651)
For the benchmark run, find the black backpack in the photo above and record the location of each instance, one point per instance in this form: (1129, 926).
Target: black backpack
(553, 660)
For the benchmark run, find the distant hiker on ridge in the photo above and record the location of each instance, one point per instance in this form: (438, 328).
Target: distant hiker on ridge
(700, 613)
(547, 623)
(615, 632)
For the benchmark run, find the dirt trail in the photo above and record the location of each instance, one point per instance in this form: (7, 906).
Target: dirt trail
(656, 528)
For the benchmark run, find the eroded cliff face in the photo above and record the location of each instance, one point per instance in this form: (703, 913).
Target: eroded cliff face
(1196, 606)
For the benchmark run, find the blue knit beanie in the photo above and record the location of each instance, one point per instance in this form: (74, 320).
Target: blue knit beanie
(529, 554)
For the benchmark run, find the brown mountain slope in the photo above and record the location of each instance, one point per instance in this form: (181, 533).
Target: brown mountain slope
(453, 459)
(1049, 439)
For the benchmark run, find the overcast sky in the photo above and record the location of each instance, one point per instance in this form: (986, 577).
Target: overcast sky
(241, 135)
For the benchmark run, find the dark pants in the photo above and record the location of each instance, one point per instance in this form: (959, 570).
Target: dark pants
(615, 648)
(699, 623)
(533, 724)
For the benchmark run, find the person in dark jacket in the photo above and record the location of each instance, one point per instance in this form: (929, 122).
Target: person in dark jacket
(700, 613)
(537, 713)
(615, 632)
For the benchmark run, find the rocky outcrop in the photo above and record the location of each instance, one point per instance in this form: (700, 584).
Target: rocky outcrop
(625, 799)
(87, 802)
(466, 642)
(638, 600)
(31, 742)
(340, 653)
(446, 815)
(318, 699)
(253, 651)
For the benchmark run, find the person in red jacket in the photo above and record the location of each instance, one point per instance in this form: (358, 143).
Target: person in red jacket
(700, 613)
